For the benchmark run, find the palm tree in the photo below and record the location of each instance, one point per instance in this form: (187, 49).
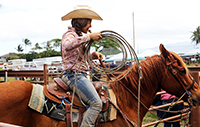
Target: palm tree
(19, 48)
(27, 43)
(47, 45)
(37, 47)
(196, 35)
(56, 43)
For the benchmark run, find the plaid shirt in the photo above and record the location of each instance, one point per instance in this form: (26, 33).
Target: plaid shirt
(71, 47)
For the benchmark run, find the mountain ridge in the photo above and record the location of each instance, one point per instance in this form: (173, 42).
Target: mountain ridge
(179, 47)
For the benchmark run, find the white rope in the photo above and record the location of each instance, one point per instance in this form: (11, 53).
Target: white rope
(124, 45)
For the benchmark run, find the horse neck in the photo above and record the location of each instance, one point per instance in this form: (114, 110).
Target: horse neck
(153, 72)
(149, 86)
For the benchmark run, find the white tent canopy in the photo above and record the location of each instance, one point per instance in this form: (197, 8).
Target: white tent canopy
(148, 52)
(193, 52)
(118, 57)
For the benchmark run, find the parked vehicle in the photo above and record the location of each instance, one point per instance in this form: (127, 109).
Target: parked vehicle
(53, 69)
(33, 66)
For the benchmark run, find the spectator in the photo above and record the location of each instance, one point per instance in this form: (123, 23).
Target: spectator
(5, 68)
(17, 69)
(197, 57)
(166, 99)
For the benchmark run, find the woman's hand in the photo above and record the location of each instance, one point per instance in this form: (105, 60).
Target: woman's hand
(97, 55)
(95, 36)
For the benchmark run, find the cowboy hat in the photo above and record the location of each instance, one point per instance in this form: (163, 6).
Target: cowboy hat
(81, 13)
(5, 64)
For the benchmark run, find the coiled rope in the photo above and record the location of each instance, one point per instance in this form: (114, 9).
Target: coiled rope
(124, 46)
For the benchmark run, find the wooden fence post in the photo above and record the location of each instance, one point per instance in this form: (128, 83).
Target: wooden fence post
(195, 111)
(45, 74)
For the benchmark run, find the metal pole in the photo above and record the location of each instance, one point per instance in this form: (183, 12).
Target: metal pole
(133, 32)
(6, 76)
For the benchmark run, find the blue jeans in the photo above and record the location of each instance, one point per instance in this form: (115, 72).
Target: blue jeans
(87, 93)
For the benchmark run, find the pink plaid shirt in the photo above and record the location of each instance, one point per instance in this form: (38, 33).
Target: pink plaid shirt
(166, 96)
(71, 46)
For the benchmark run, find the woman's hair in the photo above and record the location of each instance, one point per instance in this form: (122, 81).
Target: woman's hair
(79, 23)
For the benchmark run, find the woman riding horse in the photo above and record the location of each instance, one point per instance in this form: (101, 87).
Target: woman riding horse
(72, 55)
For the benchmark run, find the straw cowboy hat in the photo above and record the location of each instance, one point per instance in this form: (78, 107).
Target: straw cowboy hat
(82, 13)
(5, 64)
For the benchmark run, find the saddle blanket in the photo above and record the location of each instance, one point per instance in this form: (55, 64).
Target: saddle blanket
(39, 103)
(37, 98)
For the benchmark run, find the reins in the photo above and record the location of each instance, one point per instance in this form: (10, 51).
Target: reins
(124, 45)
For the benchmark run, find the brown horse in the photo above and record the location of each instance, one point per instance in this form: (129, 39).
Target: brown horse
(166, 71)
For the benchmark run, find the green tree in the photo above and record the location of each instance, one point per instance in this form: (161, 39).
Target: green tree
(19, 48)
(37, 47)
(26, 43)
(47, 45)
(105, 43)
(32, 55)
(56, 43)
(196, 35)
(15, 56)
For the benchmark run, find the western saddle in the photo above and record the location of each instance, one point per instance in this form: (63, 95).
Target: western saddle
(61, 91)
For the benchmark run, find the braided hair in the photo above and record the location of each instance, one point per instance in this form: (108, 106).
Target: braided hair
(78, 24)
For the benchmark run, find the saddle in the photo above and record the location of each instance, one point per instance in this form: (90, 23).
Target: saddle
(62, 92)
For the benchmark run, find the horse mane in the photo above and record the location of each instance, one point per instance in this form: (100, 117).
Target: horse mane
(149, 74)
(148, 71)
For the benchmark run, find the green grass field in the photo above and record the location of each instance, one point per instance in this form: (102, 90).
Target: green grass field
(151, 118)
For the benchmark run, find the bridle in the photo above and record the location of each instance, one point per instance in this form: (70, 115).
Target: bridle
(174, 73)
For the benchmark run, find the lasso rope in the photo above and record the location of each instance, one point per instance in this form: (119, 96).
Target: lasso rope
(124, 46)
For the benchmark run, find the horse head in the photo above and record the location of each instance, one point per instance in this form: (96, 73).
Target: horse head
(178, 81)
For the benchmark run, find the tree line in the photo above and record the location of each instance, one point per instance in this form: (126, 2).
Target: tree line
(48, 49)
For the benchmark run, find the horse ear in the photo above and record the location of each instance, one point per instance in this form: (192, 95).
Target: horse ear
(164, 51)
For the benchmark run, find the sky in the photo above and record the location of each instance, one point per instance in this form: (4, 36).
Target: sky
(155, 21)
